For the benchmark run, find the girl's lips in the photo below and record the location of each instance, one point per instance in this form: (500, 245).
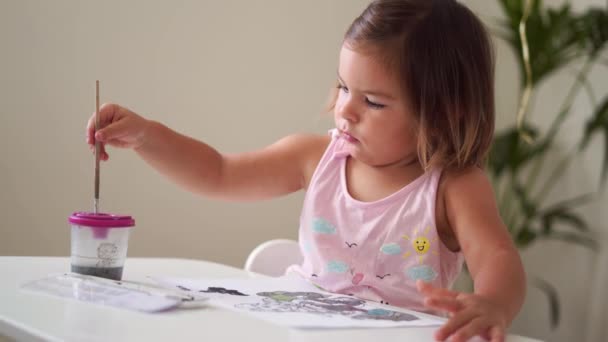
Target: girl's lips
(349, 137)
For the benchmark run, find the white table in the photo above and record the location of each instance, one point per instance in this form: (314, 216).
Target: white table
(27, 316)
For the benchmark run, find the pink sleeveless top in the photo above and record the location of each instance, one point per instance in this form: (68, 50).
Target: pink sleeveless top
(373, 250)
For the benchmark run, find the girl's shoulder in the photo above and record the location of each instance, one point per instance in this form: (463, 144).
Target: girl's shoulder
(308, 144)
(461, 192)
(466, 181)
(470, 176)
(471, 185)
(311, 148)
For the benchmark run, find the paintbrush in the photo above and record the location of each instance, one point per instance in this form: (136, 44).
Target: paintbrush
(97, 148)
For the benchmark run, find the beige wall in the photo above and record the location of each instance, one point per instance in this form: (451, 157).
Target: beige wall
(237, 74)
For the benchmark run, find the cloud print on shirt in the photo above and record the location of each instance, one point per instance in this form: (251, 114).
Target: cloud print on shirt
(422, 272)
(321, 226)
(391, 249)
(336, 266)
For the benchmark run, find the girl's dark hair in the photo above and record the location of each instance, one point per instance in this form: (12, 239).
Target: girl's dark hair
(445, 60)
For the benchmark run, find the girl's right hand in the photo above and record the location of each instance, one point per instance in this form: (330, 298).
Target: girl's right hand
(118, 127)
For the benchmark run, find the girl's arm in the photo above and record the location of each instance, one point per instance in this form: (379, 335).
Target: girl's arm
(281, 168)
(278, 169)
(470, 213)
(490, 254)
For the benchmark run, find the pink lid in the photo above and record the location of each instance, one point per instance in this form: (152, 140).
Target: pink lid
(101, 220)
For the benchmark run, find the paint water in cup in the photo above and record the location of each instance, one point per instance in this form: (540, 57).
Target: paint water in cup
(99, 243)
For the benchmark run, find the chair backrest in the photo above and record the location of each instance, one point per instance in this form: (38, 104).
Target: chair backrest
(273, 257)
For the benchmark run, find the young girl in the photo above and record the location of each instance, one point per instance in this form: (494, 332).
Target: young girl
(396, 196)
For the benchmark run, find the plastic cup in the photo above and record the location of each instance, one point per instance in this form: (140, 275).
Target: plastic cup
(99, 243)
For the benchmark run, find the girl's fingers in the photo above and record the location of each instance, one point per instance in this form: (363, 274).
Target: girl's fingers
(453, 324)
(114, 131)
(497, 334)
(91, 129)
(429, 290)
(108, 112)
(103, 155)
(473, 328)
(102, 152)
(444, 303)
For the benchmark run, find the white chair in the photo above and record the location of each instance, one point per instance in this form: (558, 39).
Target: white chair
(272, 257)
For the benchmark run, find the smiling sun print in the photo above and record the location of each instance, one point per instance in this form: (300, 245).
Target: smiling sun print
(421, 244)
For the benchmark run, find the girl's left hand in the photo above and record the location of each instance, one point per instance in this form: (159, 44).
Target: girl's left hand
(470, 314)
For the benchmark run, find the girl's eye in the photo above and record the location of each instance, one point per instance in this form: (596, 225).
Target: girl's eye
(371, 104)
(374, 104)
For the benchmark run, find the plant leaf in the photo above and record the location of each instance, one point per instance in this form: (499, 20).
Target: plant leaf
(555, 36)
(576, 238)
(572, 202)
(598, 123)
(510, 151)
(528, 206)
(525, 236)
(562, 211)
(564, 216)
(584, 81)
(594, 25)
(552, 297)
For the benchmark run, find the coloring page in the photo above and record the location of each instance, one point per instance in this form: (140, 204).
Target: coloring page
(293, 302)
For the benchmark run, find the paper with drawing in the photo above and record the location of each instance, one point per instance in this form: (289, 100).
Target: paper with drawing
(293, 302)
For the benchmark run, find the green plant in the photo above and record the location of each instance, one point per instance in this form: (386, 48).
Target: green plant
(548, 40)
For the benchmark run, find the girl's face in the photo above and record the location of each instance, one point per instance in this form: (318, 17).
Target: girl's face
(371, 112)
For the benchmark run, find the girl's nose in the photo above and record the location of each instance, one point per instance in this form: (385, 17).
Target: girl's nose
(347, 110)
